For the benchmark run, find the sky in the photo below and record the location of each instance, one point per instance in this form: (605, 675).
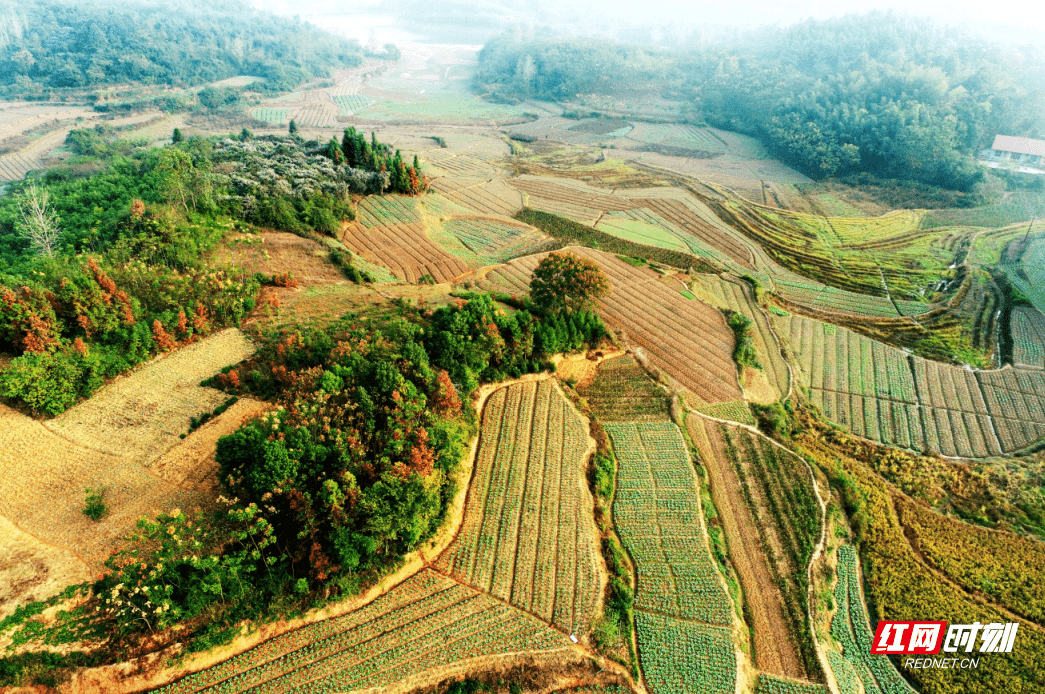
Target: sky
(1022, 20)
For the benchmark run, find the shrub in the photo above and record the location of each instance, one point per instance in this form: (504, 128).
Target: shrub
(94, 506)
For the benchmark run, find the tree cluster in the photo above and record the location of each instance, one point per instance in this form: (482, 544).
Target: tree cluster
(54, 44)
(891, 94)
(355, 151)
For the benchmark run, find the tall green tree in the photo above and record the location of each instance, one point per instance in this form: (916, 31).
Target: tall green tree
(567, 282)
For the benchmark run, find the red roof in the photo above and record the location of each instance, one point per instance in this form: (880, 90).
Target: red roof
(1020, 145)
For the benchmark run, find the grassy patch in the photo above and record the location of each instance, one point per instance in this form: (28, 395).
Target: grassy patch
(573, 232)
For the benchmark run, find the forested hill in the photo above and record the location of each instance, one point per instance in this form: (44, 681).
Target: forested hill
(67, 44)
(896, 95)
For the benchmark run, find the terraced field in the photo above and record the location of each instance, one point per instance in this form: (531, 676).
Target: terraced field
(687, 339)
(405, 249)
(529, 536)
(480, 195)
(493, 240)
(623, 392)
(883, 394)
(427, 624)
(736, 296)
(682, 609)
(768, 507)
(851, 628)
(1028, 337)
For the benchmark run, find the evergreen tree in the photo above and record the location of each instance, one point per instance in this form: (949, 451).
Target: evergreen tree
(293, 129)
(177, 137)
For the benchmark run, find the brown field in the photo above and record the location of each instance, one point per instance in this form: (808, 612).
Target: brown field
(528, 536)
(684, 338)
(190, 464)
(775, 650)
(140, 415)
(572, 195)
(405, 249)
(32, 570)
(481, 195)
(43, 483)
(278, 252)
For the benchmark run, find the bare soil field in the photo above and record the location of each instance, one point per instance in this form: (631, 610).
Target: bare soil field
(190, 464)
(140, 415)
(32, 570)
(405, 249)
(279, 252)
(43, 478)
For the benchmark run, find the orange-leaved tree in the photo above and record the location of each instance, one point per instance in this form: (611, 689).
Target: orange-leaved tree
(564, 281)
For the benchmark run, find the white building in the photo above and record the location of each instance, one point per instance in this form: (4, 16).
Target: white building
(1018, 150)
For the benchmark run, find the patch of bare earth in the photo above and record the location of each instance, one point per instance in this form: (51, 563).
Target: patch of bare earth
(190, 464)
(31, 570)
(279, 252)
(142, 414)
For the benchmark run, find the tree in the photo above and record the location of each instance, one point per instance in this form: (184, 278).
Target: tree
(564, 281)
(37, 222)
(293, 129)
(177, 137)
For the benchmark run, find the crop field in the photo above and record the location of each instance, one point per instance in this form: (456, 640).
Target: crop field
(623, 392)
(405, 249)
(883, 394)
(426, 623)
(682, 609)
(826, 248)
(830, 205)
(1015, 399)
(384, 210)
(348, 104)
(698, 221)
(738, 411)
(14, 166)
(496, 240)
(658, 515)
(1026, 273)
(701, 141)
(736, 296)
(680, 657)
(1028, 337)
(774, 685)
(687, 339)
(529, 536)
(641, 231)
(851, 629)
(485, 197)
(273, 116)
(140, 415)
(459, 164)
(39, 465)
(769, 510)
(559, 191)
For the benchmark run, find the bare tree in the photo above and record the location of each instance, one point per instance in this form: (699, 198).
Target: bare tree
(37, 221)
